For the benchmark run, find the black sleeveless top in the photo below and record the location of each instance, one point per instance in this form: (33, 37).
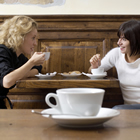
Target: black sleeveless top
(9, 62)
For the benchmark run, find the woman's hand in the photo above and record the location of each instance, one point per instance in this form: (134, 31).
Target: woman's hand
(95, 61)
(38, 58)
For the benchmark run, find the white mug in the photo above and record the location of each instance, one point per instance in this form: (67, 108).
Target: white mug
(47, 55)
(78, 101)
(97, 71)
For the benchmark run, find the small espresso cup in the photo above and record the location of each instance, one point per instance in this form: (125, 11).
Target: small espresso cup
(97, 71)
(47, 55)
(77, 101)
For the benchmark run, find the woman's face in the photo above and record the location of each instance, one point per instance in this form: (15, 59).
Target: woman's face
(29, 43)
(124, 45)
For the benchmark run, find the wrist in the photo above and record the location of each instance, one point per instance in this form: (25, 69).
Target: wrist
(31, 62)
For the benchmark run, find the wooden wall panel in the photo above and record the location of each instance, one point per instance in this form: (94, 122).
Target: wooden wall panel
(71, 55)
(28, 98)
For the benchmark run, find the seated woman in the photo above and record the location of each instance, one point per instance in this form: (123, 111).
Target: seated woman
(18, 36)
(126, 59)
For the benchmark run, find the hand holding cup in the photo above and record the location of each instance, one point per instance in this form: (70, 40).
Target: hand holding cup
(38, 58)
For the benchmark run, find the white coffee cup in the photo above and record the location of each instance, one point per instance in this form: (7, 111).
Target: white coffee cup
(47, 55)
(78, 101)
(97, 71)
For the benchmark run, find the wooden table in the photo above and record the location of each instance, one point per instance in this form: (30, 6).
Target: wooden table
(60, 82)
(23, 125)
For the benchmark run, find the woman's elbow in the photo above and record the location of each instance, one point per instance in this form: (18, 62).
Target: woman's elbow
(7, 83)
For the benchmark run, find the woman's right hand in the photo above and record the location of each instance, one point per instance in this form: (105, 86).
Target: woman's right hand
(95, 61)
(38, 58)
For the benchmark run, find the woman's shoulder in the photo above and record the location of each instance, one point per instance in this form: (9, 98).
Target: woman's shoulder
(4, 48)
(6, 51)
(115, 52)
(114, 55)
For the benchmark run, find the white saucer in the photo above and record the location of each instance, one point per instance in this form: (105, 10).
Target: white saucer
(104, 115)
(46, 76)
(70, 75)
(97, 76)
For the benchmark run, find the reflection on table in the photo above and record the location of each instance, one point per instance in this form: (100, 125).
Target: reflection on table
(23, 125)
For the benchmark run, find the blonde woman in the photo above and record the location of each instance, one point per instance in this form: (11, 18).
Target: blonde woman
(18, 36)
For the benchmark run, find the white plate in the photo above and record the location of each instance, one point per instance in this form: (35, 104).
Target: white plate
(97, 76)
(70, 75)
(72, 121)
(46, 76)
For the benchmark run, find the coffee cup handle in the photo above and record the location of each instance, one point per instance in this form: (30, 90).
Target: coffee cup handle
(53, 95)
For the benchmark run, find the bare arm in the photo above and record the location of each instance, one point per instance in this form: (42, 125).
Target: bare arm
(24, 71)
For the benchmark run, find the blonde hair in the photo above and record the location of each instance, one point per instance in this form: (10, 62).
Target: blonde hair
(13, 31)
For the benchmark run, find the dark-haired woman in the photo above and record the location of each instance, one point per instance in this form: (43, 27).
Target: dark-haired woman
(126, 59)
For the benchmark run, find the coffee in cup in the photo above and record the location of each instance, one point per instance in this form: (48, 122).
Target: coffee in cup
(77, 101)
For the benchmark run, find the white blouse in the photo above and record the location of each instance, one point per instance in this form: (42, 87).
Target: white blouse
(128, 74)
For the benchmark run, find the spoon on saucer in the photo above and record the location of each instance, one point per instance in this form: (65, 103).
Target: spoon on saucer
(40, 113)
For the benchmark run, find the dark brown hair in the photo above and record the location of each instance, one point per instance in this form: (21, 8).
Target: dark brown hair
(131, 31)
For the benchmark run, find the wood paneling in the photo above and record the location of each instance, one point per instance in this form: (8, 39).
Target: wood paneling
(72, 40)
(28, 98)
(69, 55)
